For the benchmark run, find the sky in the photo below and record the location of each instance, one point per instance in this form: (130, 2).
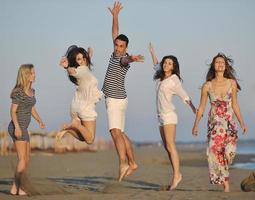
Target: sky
(40, 32)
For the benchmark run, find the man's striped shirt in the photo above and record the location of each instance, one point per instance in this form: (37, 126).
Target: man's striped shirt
(114, 82)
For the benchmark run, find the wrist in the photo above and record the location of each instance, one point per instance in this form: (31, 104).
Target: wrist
(16, 126)
(195, 124)
(242, 123)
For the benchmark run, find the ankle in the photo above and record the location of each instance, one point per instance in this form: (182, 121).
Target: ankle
(177, 175)
(226, 186)
(132, 164)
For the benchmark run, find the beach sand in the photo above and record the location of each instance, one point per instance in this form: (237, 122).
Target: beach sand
(92, 175)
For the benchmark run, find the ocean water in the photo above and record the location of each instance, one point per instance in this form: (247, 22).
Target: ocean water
(245, 150)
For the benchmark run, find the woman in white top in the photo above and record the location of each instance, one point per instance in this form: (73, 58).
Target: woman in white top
(168, 84)
(77, 62)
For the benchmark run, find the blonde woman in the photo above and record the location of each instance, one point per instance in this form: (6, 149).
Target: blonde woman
(22, 108)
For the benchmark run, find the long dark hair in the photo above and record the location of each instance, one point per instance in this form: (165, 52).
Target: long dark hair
(159, 74)
(229, 70)
(71, 54)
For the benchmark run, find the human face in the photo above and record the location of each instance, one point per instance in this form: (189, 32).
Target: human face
(219, 64)
(80, 60)
(120, 47)
(168, 65)
(32, 75)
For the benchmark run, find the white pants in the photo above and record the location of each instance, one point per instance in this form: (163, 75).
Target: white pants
(116, 111)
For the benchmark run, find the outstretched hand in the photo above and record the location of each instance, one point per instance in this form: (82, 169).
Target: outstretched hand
(195, 131)
(63, 62)
(138, 58)
(245, 129)
(116, 8)
(42, 125)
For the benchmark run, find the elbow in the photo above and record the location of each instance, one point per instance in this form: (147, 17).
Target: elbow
(13, 112)
(235, 107)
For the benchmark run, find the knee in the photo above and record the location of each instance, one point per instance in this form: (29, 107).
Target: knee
(90, 140)
(27, 160)
(22, 163)
(170, 147)
(115, 133)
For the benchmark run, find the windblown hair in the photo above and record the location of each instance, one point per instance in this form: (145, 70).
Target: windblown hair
(159, 74)
(23, 77)
(229, 70)
(71, 54)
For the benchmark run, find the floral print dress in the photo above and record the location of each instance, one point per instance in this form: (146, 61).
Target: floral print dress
(222, 136)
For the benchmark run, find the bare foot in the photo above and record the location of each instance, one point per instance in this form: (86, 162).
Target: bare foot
(22, 192)
(175, 182)
(75, 123)
(60, 134)
(131, 169)
(13, 190)
(123, 171)
(66, 126)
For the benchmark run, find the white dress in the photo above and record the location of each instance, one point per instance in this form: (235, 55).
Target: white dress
(86, 95)
(166, 89)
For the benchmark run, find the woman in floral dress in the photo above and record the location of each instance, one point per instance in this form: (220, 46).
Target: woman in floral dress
(221, 87)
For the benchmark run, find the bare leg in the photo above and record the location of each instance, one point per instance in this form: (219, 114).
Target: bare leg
(22, 152)
(121, 150)
(81, 130)
(74, 132)
(164, 141)
(28, 154)
(67, 128)
(169, 133)
(130, 155)
(88, 130)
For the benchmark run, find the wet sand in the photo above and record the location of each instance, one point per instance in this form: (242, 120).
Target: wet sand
(92, 175)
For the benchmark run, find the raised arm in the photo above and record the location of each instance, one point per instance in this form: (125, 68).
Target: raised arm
(236, 107)
(201, 108)
(115, 19)
(153, 55)
(90, 52)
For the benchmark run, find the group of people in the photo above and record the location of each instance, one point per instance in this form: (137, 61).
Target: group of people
(221, 87)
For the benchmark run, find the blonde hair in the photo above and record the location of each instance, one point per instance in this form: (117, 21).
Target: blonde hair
(23, 77)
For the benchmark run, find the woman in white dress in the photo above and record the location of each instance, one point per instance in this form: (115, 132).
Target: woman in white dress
(77, 62)
(168, 83)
